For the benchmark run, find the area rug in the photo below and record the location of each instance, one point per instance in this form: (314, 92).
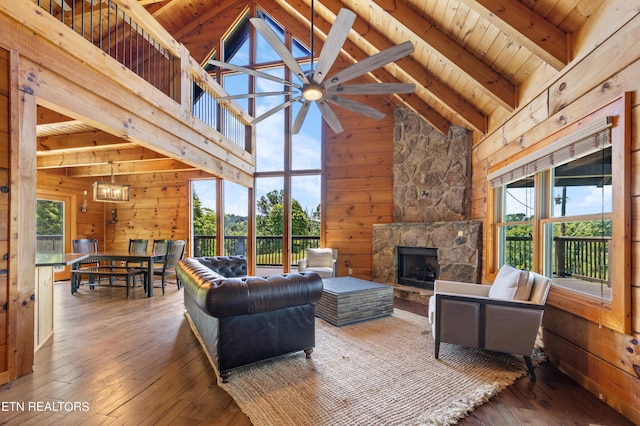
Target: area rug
(380, 372)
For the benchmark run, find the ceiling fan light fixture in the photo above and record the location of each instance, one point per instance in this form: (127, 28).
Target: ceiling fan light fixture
(312, 92)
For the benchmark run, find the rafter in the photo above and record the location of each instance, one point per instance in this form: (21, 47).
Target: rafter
(130, 168)
(86, 158)
(493, 84)
(453, 102)
(531, 30)
(83, 141)
(322, 26)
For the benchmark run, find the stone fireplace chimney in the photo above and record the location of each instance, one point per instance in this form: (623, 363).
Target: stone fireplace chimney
(431, 201)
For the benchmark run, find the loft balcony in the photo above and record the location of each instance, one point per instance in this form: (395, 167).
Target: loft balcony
(152, 93)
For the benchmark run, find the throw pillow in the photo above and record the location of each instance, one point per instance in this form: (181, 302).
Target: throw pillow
(320, 257)
(507, 283)
(524, 286)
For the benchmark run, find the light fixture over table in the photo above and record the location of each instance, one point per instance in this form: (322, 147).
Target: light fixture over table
(111, 192)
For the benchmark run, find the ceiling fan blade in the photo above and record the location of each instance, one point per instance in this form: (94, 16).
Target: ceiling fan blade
(277, 45)
(302, 114)
(355, 106)
(275, 109)
(372, 89)
(371, 63)
(330, 117)
(252, 95)
(333, 44)
(252, 72)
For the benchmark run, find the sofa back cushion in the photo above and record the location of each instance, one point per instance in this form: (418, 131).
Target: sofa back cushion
(511, 284)
(227, 266)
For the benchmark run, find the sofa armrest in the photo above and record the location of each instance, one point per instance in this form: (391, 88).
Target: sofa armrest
(455, 287)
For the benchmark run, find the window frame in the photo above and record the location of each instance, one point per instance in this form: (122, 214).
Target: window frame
(614, 314)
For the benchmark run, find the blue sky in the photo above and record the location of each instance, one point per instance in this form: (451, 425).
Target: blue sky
(581, 200)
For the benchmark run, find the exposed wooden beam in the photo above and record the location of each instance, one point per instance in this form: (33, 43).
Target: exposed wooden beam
(148, 2)
(86, 141)
(206, 30)
(62, 127)
(146, 21)
(453, 102)
(494, 85)
(322, 27)
(529, 29)
(95, 157)
(130, 168)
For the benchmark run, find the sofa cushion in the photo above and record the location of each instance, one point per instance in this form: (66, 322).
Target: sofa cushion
(511, 283)
(320, 257)
(227, 266)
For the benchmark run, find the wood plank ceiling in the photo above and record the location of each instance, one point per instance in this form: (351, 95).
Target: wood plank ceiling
(473, 61)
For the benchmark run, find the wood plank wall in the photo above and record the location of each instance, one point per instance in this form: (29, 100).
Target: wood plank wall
(159, 208)
(604, 361)
(4, 212)
(88, 225)
(358, 184)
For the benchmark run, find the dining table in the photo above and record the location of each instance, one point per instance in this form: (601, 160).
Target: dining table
(112, 256)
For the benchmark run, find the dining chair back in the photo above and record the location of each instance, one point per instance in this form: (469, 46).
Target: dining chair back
(85, 246)
(175, 251)
(138, 245)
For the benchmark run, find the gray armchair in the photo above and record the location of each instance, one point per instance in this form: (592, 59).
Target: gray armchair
(503, 317)
(323, 261)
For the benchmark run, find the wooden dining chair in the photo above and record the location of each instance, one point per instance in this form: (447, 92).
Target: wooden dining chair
(137, 245)
(85, 246)
(175, 252)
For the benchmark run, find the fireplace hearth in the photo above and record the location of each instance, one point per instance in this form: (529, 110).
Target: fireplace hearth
(417, 266)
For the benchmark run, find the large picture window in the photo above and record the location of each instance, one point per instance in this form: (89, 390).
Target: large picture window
(562, 209)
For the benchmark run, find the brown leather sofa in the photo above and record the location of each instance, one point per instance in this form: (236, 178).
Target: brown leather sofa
(242, 320)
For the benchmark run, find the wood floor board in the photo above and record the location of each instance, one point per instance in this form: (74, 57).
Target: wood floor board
(135, 361)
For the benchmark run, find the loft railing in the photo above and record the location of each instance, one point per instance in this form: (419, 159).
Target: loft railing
(107, 26)
(124, 31)
(268, 248)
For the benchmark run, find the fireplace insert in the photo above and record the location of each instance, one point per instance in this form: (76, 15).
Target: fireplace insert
(417, 266)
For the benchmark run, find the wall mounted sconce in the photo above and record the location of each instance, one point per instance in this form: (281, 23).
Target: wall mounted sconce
(114, 216)
(83, 205)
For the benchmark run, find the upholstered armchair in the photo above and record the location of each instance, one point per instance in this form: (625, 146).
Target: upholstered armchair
(323, 261)
(503, 317)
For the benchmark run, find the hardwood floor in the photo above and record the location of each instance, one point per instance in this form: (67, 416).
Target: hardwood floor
(115, 361)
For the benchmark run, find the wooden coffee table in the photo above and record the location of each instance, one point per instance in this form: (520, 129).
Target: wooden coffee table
(347, 300)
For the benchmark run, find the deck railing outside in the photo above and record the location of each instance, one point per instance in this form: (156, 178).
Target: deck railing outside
(585, 258)
(268, 248)
(49, 244)
(110, 27)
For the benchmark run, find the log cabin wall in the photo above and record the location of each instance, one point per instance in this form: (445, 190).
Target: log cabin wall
(358, 183)
(604, 361)
(4, 214)
(87, 225)
(159, 208)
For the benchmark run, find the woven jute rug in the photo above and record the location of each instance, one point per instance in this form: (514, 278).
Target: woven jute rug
(380, 372)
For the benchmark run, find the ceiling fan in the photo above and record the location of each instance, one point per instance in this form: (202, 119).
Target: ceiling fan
(314, 84)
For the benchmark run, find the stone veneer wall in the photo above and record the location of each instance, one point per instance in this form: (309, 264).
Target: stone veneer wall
(458, 243)
(431, 171)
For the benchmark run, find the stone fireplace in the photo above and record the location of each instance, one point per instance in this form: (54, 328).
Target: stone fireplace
(431, 204)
